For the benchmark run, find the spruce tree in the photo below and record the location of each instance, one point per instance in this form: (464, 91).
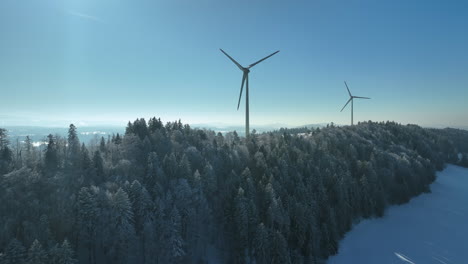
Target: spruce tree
(15, 253)
(73, 150)
(261, 244)
(6, 155)
(85, 159)
(3, 138)
(28, 147)
(118, 139)
(122, 227)
(98, 166)
(175, 242)
(102, 145)
(36, 254)
(88, 214)
(62, 254)
(51, 156)
(241, 220)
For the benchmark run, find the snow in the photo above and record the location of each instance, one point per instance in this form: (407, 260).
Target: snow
(431, 228)
(93, 133)
(39, 143)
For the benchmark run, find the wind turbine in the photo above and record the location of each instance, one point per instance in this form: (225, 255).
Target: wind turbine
(245, 79)
(351, 99)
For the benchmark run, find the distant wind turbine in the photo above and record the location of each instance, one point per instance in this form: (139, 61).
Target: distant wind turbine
(351, 99)
(245, 79)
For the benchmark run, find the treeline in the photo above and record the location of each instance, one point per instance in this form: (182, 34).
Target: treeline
(167, 193)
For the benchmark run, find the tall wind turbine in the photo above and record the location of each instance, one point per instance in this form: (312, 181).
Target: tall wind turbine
(245, 79)
(351, 99)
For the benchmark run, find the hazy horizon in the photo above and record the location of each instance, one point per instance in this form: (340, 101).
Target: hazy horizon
(208, 125)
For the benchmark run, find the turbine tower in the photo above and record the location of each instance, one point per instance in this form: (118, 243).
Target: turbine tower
(245, 79)
(351, 99)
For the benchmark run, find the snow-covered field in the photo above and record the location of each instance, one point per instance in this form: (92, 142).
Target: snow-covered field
(431, 228)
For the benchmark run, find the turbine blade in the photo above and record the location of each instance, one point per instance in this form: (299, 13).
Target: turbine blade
(346, 104)
(348, 89)
(233, 60)
(253, 64)
(361, 97)
(242, 88)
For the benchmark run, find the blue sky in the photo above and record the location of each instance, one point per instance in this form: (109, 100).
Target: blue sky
(105, 62)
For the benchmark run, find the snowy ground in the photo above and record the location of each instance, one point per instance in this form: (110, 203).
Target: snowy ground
(431, 228)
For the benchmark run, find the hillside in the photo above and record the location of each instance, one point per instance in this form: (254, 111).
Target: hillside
(167, 193)
(430, 229)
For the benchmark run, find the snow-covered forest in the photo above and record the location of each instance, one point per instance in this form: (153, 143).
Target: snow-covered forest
(167, 193)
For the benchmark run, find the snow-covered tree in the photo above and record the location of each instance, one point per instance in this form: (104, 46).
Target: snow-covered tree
(14, 253)
(62, 254)
(36, 254)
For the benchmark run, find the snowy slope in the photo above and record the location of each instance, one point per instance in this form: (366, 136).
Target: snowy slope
(431, 228)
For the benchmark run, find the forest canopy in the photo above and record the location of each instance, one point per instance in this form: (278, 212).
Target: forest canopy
(167, 193)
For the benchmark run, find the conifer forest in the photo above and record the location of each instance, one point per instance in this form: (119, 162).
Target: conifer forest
(168, 193)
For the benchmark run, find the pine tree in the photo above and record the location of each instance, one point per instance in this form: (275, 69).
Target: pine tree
(186, 202)
(149, 242)
(62, 254)
(129, 128)
(73, 151)
(122, 228)
(183, 168)
(140, 128)
(261, 244)
(118, 139)
(175, 241)
(279, 249)
(241, 220)
(6, 159)
(85, 159)
(141, 204)
(98, 166)
(102, 145)
(28, 147)
(154, 124)
(87, 221)
(3, 138)
(6, 155)
(45, 234)
(154, 175)
(201, 227)
(51, 156)
(170, 165)
(36, 254)
(208, 179)
(15, 253)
